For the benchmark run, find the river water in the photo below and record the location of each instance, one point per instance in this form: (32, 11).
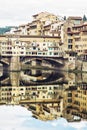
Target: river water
(37, 99)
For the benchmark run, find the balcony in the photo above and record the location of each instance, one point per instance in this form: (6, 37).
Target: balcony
(33, 26)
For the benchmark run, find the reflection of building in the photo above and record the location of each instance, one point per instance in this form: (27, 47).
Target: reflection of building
(10, 95)
(32, 92)
(75, 102)
(47, 101)
(47, 111)
(48, 96)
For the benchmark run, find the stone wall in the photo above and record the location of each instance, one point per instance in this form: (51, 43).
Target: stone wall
(84, 66)
(78, 65)
(15, 63)
(81, 65)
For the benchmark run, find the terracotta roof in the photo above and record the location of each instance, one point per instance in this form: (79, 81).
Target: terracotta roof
(37, 14)
(23, 25)
(84, 30)
(85, 24)
(47, 25)
(35, 20)
(74, 18)
(77, 32)
(80, 25)
(29, 36)
(17, 30)
(77, 26)
(28, 24)
(47, 13)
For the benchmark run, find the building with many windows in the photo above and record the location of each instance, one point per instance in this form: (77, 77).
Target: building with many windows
(31, 46)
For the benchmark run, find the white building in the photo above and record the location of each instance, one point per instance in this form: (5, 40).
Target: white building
(48, 49)
(12, 47)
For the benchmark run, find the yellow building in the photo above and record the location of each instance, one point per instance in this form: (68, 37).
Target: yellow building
(30, 45)
(37, 26)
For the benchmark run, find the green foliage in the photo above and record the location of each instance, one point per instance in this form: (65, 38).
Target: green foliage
(84, 18)
(5, 29)
(64, 17)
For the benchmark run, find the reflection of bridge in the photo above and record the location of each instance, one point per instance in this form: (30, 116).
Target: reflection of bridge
(46, 79)
(4, 78)
(18, 79)
(4, 81)
(46, 101)
(5, 61)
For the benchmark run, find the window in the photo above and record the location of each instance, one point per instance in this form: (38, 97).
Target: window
(68, 29)
(55, 53)
(69, 94)
(50, 53)
(44, 44)
(39, 53)
(22, 52)
(17, 42)
(70, 40)
(34, 48)
(69, 46)
(69, 100)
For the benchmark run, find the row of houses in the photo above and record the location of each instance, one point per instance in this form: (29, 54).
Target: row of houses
(31, 46)
(71, 33)
(67, 102)
(39, 26)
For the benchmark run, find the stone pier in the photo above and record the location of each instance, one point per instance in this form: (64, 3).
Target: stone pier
(14, 78)
(15, 63)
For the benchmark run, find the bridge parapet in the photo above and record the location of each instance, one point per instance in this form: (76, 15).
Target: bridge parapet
(15, 62)
(53, 61)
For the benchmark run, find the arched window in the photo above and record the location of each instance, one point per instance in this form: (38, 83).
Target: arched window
(68, 29)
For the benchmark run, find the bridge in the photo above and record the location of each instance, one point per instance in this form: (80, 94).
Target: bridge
(10, 62)
(36, 101)
(58, 60)
(16, 63)
(52, 62)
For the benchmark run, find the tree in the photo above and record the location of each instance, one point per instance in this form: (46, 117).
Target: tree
(84, 18)
(64, 17)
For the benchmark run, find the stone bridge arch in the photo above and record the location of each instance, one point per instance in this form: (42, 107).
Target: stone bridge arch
(56, 62)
